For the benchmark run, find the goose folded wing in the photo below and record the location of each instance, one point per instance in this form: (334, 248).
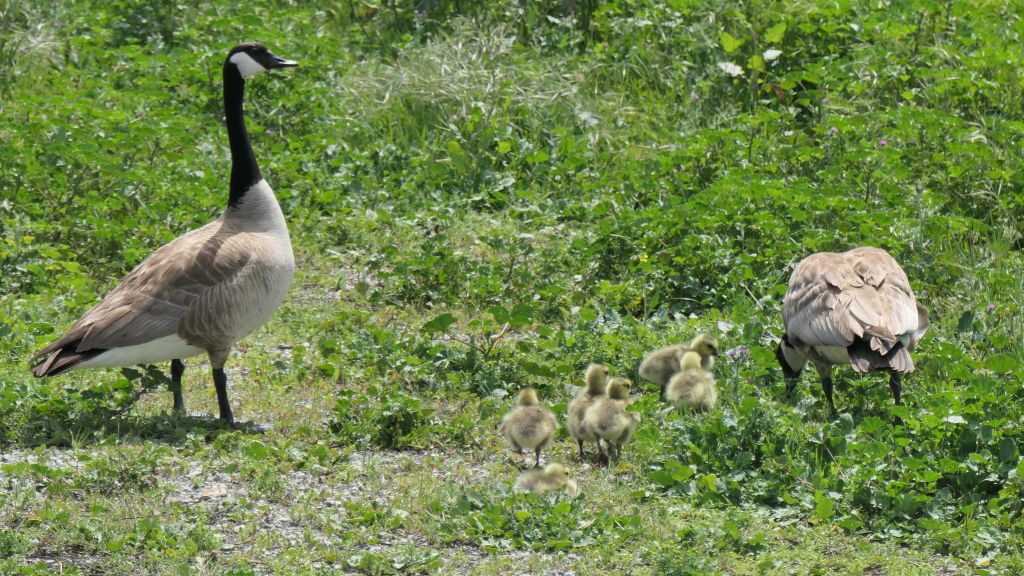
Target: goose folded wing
(151, 301)
(816, 309)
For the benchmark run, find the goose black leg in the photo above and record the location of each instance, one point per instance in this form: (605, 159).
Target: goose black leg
(894, 385)
(177, 369)
(537, 463)
(220, 382)
(581, 449)
(826, 385)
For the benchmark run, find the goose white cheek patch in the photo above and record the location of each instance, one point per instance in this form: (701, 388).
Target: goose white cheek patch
(246, 65)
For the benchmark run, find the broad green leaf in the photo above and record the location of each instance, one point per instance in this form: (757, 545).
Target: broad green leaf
(756, 62)
(588, 314)
(256, 450)
(966, 322)
(774, 34)
(439, 323)
(1001, 363)
(522, 315)
(824, 508)
(729, 42)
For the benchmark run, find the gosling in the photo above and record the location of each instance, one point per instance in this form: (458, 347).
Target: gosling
(529, 425)
(692, 387)
(608, 419)
(596, 378)
(661, 365)
(551, 477)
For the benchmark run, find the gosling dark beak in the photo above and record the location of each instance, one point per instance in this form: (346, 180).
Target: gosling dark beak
(278, 62)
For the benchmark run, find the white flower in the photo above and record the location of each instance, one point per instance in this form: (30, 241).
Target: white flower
(771, 54)
(731, 69)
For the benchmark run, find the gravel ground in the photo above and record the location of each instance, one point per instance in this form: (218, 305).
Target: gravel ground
(273, 523)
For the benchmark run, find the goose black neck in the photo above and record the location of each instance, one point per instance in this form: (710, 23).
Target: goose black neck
(245, 172)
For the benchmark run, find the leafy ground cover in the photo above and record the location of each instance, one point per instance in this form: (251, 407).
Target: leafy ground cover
(484, 196)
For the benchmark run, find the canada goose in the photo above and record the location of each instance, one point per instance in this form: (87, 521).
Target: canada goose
(854, 307)
(596, 378)
(661, 365)
(608, 419)
(529, 425)
(541, 480)
(692, 387)
(204, 290)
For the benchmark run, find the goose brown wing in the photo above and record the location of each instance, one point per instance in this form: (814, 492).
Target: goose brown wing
(829, 304)
(150, 302)
(897, 303)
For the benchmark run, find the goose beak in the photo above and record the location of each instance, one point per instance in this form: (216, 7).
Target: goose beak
(278, 62)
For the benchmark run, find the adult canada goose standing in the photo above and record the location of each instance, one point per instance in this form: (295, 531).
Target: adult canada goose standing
(204, 290)
(659, 366)
(856, 307)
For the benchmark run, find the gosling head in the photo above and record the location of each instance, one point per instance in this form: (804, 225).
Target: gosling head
(690, 360)
(528, 397)
(556, 471)
(790, 359)
(596, 378)
(253, 58)
(705, 345)
(618, 388)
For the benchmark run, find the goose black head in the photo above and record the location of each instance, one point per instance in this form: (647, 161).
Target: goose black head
(253, 58)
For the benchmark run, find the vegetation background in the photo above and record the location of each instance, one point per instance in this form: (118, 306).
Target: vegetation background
(488, 195)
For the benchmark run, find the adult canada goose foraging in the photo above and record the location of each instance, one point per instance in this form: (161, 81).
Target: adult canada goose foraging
(596, 379)
(529, 425)
(204, 290)
(692, 387)
(659, 366)
(856, 307)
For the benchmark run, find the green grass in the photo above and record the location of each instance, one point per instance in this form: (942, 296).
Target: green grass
(485, 196)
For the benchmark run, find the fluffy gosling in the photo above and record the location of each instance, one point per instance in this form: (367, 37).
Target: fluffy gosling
(596, 378)
(608, 419)
(692, 387)
(661, 365)
(541, 480)
(529, 425)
